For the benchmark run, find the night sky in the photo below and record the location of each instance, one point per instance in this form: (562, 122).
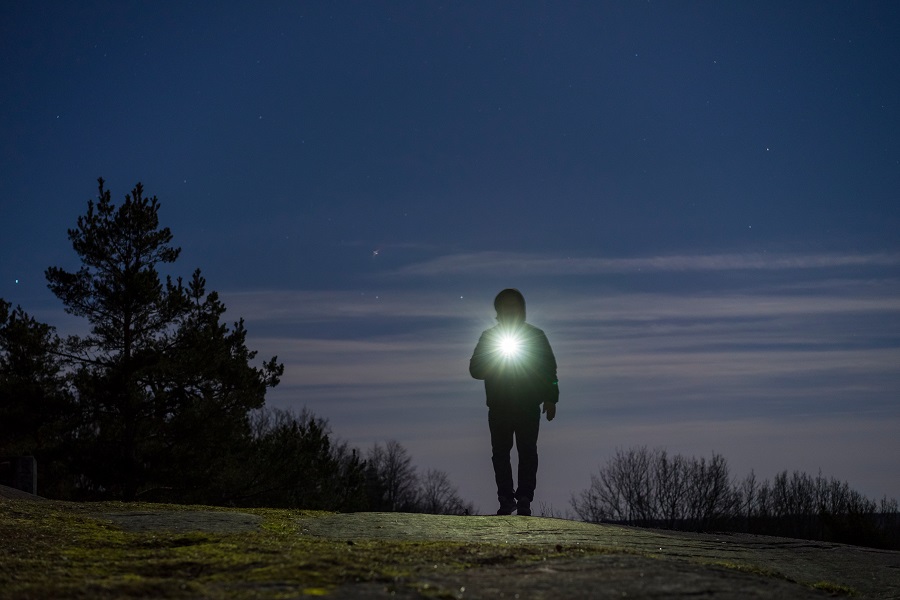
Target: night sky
(699, 200)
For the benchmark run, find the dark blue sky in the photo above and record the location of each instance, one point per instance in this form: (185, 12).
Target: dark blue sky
(698, 199)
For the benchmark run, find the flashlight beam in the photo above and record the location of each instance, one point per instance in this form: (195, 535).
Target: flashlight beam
(510, 345)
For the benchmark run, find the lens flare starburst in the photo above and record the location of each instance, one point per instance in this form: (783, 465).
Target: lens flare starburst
(510, 345)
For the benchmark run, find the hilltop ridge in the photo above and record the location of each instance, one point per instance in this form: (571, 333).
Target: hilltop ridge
(112, 550)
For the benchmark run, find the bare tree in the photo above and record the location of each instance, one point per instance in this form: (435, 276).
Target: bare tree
(591, 505)
(438, 496)
(747, 495)
(637, 475)
(671, 488)
(645, 487)
(394, 475)
(641, 487)
(622, 491)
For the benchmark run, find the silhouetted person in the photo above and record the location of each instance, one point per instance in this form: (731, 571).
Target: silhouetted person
(519, 371)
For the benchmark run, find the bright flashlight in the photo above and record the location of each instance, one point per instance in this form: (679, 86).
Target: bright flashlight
(510, 345)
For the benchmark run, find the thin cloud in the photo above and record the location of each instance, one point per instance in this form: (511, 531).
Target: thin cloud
(582, 308)
(690, 369)
(511, 264)
(671, 366)
(725, 305)
(293, 306)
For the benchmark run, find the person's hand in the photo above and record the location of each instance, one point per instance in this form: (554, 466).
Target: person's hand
(550, 409)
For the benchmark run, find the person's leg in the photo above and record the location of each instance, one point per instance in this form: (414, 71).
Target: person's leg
(528, 422)
(501, 425)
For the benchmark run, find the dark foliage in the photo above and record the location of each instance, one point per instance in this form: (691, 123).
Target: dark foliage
(295, 463)
(163, 387)
(36, 406)
(160, 400)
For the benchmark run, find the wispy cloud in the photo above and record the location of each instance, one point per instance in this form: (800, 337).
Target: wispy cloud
(825, 340)
(581, 306)
(511, 264)
(289, 306)
(795, 354)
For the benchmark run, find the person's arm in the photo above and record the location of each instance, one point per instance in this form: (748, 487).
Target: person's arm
(480, 363)
(550, 409)
(549, 368)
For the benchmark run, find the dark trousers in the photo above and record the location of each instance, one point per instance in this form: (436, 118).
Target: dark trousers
(521, 423)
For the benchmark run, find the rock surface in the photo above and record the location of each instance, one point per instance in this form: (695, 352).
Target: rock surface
(13, 494)
(647, 563)
(184, 521)
(616, 562)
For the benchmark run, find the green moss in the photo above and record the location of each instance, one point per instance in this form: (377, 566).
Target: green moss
(826, 586)
(834, 589)
(66, 550)
(751, 569)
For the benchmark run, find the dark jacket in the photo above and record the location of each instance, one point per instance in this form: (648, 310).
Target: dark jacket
(529, 377)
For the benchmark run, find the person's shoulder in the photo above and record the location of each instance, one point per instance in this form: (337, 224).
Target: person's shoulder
(534, 330)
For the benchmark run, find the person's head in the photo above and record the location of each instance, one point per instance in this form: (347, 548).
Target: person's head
(510, 306)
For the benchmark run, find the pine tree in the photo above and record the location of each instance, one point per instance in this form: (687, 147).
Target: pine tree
(161, 382)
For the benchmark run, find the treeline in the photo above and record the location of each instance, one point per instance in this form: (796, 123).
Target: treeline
(650, 488)
(292, 460)
(281, 458)
(161, 399)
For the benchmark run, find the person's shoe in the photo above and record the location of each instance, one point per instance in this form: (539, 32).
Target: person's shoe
(523, 507)
(507, 506)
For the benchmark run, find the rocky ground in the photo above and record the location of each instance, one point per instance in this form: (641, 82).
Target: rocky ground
(642, 563)
(351, 556)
